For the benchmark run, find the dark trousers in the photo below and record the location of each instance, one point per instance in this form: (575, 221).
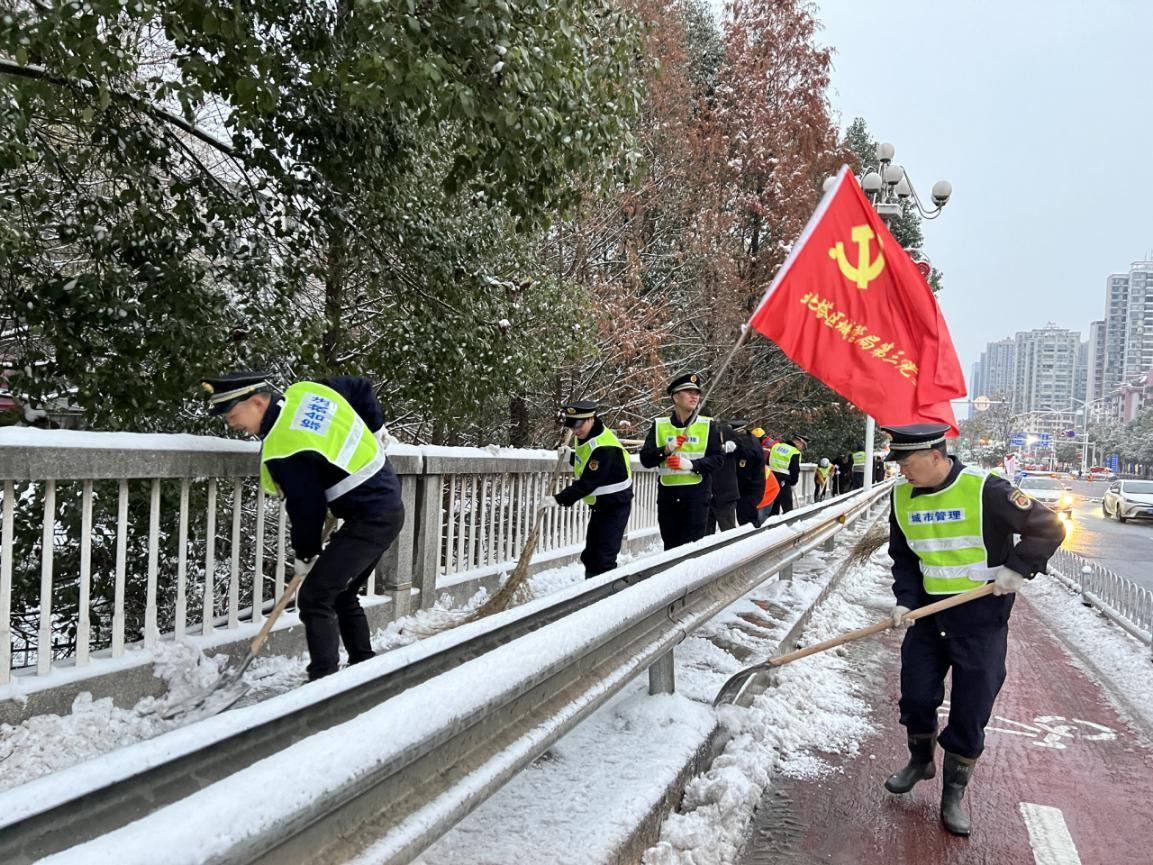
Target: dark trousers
(329, 599)
(723, 514)
(783, 503)
(682, 514)
(819, 491)
(603, 539)
(747, 509)
(978, 665)
(858, 480)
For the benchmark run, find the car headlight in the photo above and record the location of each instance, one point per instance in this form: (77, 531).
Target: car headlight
(1066, 499)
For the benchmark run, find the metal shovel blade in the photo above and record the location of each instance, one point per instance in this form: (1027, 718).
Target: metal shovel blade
(221, 695)
(732, 689)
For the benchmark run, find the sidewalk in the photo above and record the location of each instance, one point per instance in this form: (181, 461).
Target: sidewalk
(1063, 780)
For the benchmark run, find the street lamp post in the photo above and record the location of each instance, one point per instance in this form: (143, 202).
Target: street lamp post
(888, 190)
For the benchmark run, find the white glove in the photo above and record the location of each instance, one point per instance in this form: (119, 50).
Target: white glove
(730, 446)
(899, 621)
(1007, 581)
(563, 451)
(385, 438)
(300, 567)
(547, 502)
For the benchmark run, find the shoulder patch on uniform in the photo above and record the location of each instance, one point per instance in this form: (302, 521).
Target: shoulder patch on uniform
(1020, 500)
(594, 465)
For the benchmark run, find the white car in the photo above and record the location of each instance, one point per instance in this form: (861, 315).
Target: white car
(1049, 492)
(1126, 500)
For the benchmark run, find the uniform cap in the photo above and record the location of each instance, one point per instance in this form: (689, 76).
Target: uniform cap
(914, 437)
(824, 461)
(578, 410)
(739, 425)
(799, 440)
(688, 381)
(225, 391)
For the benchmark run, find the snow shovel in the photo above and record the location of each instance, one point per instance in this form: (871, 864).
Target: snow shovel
(229, 688)
(733, 688)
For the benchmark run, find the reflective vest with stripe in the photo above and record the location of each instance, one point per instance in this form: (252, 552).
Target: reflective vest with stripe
(317, 418)
(859, 458)
(944, 530)
(584, 450)
(780, 457)
(696, 442)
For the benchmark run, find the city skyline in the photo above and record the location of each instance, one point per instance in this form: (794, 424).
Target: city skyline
(1045, 204)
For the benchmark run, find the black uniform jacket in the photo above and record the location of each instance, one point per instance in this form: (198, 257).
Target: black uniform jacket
(606, 466)
(725, 478)
(750, 465)
(653, 454)
(1041, 534)
(303, 477)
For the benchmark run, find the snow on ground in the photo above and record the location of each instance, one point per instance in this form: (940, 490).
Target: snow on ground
(583, 799)
(1102, 650)
(49, 743)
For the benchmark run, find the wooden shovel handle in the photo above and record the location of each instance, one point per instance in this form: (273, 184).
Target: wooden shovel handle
(919, 613)
(289, 591)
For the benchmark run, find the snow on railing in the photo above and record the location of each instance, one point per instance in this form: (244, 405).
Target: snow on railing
(80, 574)
(1121, 600)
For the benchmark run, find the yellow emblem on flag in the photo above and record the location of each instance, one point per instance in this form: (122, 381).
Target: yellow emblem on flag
(866, 270)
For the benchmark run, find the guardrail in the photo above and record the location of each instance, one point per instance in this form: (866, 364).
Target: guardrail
(411, 741)
(1122, 601)
(116, 538)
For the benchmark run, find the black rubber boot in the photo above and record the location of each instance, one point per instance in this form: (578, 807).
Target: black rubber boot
(955, 774)
(920, 766)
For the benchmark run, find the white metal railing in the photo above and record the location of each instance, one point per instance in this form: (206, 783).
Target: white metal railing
(138, 537)
(1123, 601)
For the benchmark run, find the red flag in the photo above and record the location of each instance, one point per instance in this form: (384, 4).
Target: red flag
(851, 307)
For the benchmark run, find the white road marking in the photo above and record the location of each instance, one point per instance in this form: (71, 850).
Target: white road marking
(1017, 724)
(1048, 835)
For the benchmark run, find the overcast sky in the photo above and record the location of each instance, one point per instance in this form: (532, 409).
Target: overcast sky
(1040, 113)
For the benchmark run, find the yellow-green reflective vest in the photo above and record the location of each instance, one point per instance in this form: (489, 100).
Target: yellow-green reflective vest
(780, 456)
(696, 442)
(317, 418)
(859, 458)
(584, 450)
(944, 530)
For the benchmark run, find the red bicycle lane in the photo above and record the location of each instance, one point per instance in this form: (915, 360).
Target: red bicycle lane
(1063, 780)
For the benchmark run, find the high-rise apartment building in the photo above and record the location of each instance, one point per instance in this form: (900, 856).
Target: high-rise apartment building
(1128, 333)
(1046, 362)
(1094, 377)
(997, 378)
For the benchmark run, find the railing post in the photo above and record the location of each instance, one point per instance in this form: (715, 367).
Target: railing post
(394, 570)
(1086, 570)
(829, 545)
(426, 525)
(662, 675)
(785, 573)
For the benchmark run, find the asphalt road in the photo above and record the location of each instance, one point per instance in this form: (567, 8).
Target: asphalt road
(1125, 549)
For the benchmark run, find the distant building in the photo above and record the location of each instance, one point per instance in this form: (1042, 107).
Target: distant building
(1094, 383)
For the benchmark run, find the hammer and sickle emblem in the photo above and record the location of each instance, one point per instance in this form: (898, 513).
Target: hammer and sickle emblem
(865, 271)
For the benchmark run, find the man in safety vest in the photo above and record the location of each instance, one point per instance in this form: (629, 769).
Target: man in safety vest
(860, 465)
(821, 478)
(685, 454)
(320, 451)
(604, 482)
(951, 529)
(785, 464)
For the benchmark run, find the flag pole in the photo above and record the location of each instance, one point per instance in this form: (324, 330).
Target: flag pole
(870, 432)
(745, 328)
